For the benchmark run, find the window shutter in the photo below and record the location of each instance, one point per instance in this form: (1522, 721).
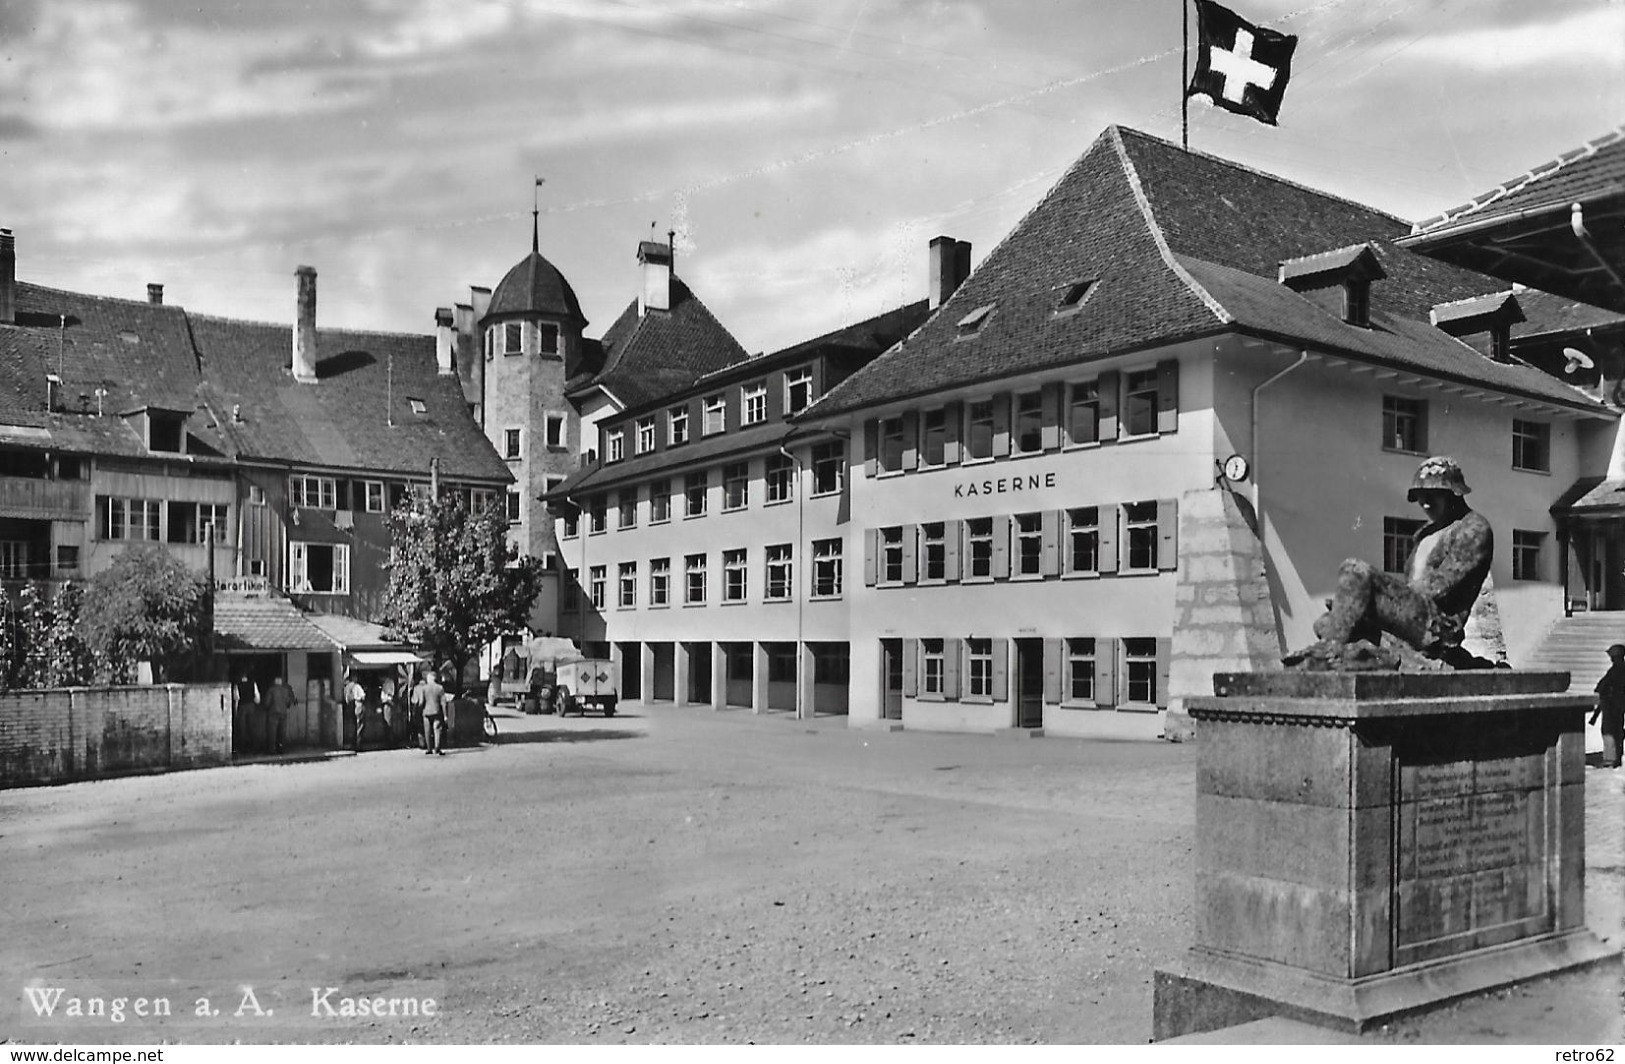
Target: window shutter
(951, 532)
(1167, 534)
(341, 568)
(1001, 546)
(296, 566)
(871, 448)
(1108, 537)
(911, 554)
(951, 650)
(1001, 426)
(1106, 671)
(911, 662)
(1001, 692)
(1108, 405)
(1050, 540)
(871, 538)
(1165, 655)
(1054, 661)
(1051, 427)
(1168, 396)
(911, 440)
(953, 417)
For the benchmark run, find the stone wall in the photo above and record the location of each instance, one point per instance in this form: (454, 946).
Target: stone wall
(85, 733)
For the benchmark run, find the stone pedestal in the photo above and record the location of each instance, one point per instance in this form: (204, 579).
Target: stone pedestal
(1372, 844)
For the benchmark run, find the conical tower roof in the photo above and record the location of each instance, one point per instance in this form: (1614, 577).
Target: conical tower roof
(535, 286)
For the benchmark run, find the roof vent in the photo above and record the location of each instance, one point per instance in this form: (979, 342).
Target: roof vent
(1338, 281)
(972, 323)
(1493, 315)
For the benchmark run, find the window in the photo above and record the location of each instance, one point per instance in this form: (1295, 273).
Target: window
(256, 495)
(1140, 403)
(146, 519)
(891, 555)
(118, 518)
(828, 468)
(676, 426)
(1029, 434)
(891, 445)
(694, 576)
(513, 337)
(972, 323)
(979, 543)
(1072, 297)
(570, 598)
(646, 435)
(189, 520)
(67, 559)
(1083, 413)
(934, 551)
(979, 673)
(480, 500)
(798, 389)
(510, 443)
(318, 493)
(826, 574)
(778, 571)
(614, 445)
(513, 506)
(715, 411)
(628, 580)
(753, 403)
(780, 478)
(735, 485)
(572, 524)
(1398, 536)
(979, 429)
(695, 486)
(1030, 542)
(596, 576)
(933, 671)
(552, 482)
(14, 559)
(1080, 670)
(1140, 671)
(555, 432)
(933, 437)
(547, 338)
(659, 581)
(1526, 554)
(319, 568)
(659, 501)
(598, 515)
(490, 341)
(1083, 540)
(1532, 446)
(373, 493)
(627, 509)
(165, 432)
(1404, 424)
(1140, 529)
(733, 576)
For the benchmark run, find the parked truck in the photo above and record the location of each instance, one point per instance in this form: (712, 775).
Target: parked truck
(588, 683)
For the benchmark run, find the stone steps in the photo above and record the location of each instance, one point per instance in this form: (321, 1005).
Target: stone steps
(1579, 646)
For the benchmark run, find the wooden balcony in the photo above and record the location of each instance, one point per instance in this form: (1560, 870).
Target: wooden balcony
(26, 497)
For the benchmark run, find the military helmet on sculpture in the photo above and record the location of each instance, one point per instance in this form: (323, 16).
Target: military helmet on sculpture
(1438, 473)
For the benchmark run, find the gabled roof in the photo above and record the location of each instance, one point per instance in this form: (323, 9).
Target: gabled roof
(1180, 245)
(358, 414)
(262, 621)
(1575, 176)
(649, 356)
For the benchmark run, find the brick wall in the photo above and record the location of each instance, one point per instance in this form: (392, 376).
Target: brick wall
(84, 733)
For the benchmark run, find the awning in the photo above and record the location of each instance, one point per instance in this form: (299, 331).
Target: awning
(384, 657)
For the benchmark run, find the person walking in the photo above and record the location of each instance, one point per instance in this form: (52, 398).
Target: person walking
(429, 697)
(355, 697)
(248, 703)
(277, 703)
(1611, 706)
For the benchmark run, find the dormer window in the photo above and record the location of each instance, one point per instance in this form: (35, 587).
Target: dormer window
(615, 445)
(972, 323)
(165, 432)
(1491, 315)
(1338, 281)
(1073, 295)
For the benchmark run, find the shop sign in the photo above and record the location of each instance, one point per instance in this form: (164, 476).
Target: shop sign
(1004, 485)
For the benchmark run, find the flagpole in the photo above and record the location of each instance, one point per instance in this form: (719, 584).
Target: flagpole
(1185, 75)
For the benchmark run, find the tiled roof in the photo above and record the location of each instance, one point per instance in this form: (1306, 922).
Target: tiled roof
(1546, 314)
(351, 634)
(358, 414)
(535, 286)
(648, 357)
(705, 451)
(249, 621)
(1180, 245)
(1575, 176)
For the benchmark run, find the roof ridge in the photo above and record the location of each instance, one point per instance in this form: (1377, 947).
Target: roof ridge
(1522, 181)
(320, 329)
(100, 298)
(1132, 174)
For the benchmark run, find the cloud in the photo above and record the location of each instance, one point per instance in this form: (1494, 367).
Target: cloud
(1596, 36)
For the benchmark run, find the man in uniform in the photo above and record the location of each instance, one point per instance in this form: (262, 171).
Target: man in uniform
(277, 703)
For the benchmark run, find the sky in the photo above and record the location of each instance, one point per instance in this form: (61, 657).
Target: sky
(804, 151)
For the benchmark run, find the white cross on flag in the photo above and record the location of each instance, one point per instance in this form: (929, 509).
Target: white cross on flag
(1239, 66)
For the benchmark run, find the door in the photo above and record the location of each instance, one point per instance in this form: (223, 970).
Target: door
(891, 686)
(1029, 684)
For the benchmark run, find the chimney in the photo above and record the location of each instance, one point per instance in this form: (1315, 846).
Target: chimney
(155, 294)
(654, 291)
(8, 278)
(443, 341)
(304, 329)
(950, 265)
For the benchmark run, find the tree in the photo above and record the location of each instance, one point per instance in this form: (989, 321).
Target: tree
(455, 584)
(71, 662)
(31, 662)
(146, 607)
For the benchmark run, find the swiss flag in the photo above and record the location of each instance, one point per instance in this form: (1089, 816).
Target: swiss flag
(1239, 66)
